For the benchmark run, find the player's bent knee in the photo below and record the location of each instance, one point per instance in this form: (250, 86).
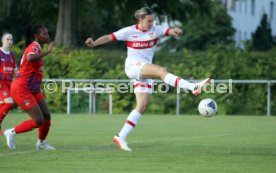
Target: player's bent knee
(163, 71)
(39, 121)
(47, 116)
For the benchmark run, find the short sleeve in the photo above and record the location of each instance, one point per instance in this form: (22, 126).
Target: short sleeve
(120, 35)
(162, 31)
(34, 49)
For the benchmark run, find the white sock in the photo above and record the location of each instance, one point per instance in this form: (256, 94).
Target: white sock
(131, 122)
(186, 85)
(174, 80)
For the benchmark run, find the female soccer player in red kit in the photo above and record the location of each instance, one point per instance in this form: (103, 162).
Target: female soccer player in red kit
(25, 89)
(141, 42)
(7, 71)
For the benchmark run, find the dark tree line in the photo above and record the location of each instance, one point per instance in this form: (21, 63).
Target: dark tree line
(71, 21)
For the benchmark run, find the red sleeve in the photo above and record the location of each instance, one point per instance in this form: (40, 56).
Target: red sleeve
(167, 32)
(33, 49)
(113, 37)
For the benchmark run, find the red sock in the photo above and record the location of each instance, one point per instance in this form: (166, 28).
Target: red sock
(44, 129)
(26, 126)
(4, 109)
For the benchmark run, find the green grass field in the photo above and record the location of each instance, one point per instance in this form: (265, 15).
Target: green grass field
(165, 143)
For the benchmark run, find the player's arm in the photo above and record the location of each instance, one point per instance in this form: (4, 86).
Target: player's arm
(102, 40)
(37, 56)
(175, 32)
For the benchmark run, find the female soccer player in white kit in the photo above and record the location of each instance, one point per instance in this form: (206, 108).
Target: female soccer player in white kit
(141, 42)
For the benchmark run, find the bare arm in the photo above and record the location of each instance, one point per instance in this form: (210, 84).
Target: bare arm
(34, 57)
(175, 32)
(102, 40)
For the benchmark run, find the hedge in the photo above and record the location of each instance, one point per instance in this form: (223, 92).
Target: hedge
(220, 62)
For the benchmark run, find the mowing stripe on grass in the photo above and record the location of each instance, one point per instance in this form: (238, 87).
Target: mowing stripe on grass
(110, 144)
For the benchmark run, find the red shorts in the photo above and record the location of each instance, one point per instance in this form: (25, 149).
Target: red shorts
(23, 96)
(5, 86)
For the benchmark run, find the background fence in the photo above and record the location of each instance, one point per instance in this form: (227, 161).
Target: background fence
(69, 87)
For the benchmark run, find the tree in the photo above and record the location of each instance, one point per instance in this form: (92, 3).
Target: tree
(200, 31)
(111, 15)
(66, 31)
(262, 39)
(72, 21)
(16, 15)
(175, 10)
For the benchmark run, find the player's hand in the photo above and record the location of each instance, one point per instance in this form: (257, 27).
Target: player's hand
(51, 46)
(178, 31)
(89, 42)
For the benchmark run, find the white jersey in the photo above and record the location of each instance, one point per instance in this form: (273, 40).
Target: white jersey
(140, 44)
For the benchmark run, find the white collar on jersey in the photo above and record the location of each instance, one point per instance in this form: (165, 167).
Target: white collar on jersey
(137, 27)
(5, 51)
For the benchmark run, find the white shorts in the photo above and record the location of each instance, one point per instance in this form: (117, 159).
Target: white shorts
(133, 71)
(133, 68)
(143, 86)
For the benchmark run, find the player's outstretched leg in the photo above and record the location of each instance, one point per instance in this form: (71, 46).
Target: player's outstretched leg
(156, 71)
(176, 81)
(199, 86)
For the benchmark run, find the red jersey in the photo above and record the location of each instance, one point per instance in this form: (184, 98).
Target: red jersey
(7, 65)
(31, 73)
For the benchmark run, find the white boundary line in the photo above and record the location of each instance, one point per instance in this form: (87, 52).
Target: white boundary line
(104, 145)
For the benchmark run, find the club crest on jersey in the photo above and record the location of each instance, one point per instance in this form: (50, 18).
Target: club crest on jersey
(151, 34)
(26, 102)
(35, 49)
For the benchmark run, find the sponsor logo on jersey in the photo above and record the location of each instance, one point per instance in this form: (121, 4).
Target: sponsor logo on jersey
(141, 44)
(8, 69)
